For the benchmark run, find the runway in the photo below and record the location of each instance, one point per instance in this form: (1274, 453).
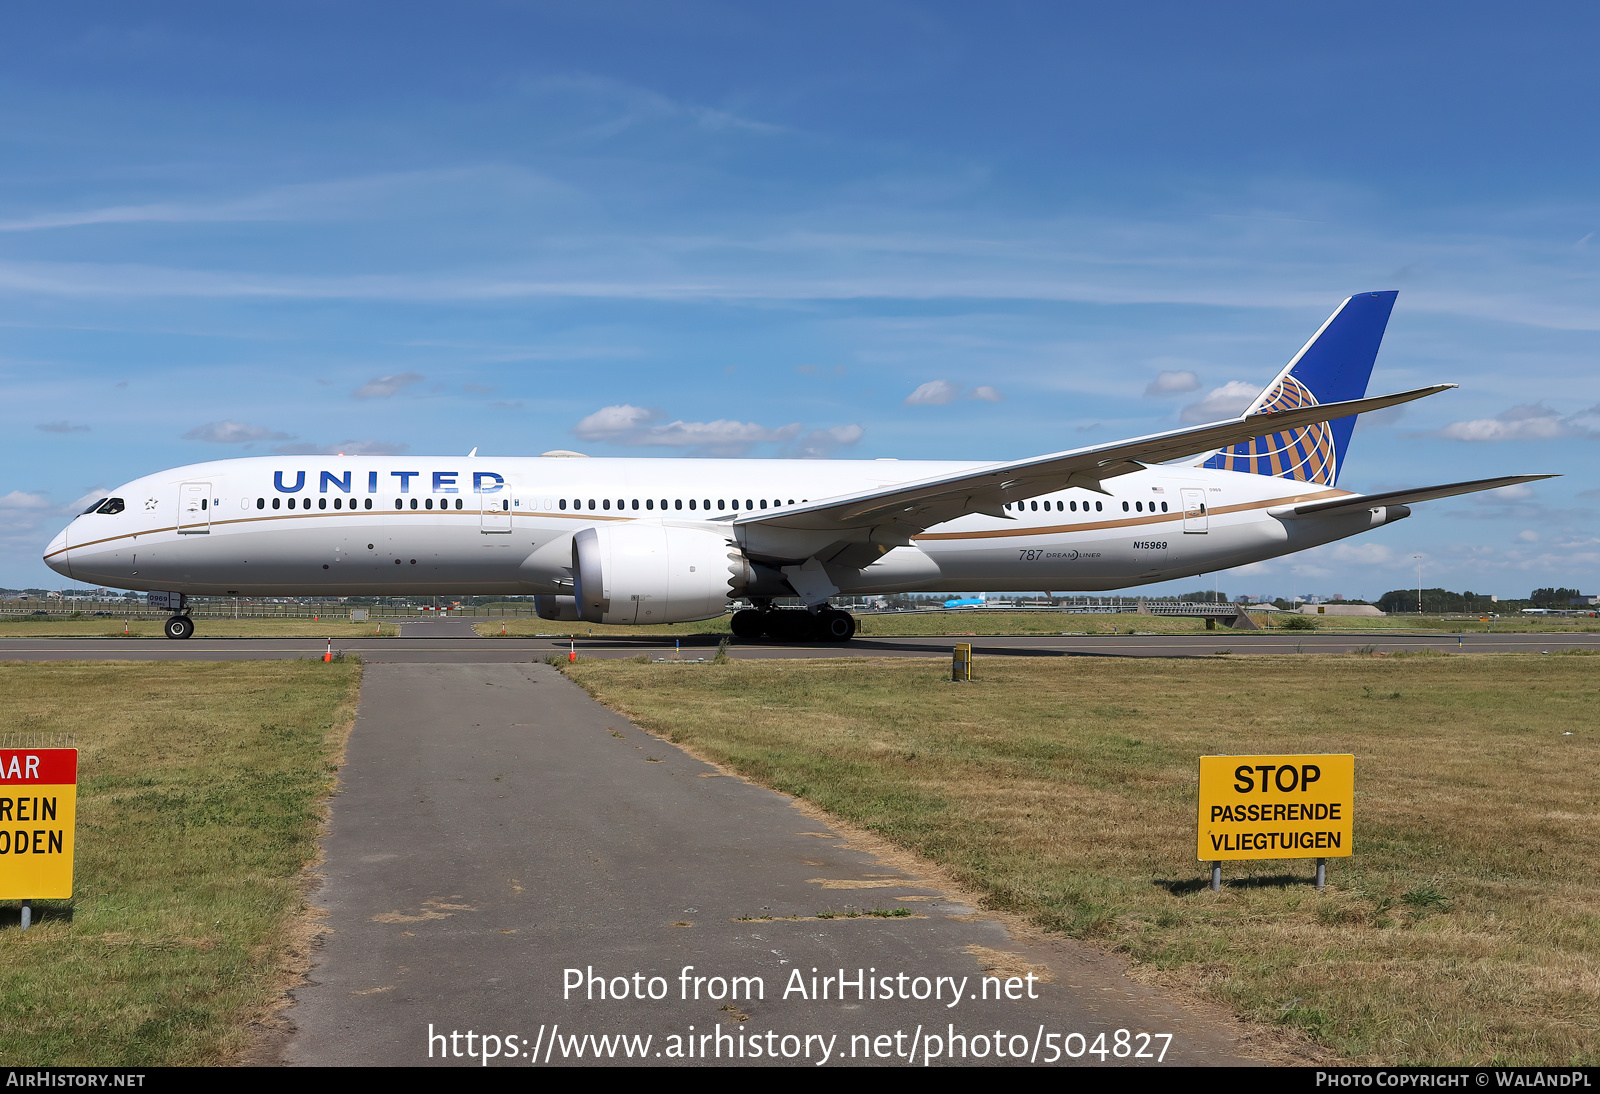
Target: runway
(454, 642)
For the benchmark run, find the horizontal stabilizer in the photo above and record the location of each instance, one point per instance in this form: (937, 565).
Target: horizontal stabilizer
(1399, 497)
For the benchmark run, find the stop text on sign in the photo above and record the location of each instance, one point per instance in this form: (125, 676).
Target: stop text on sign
(1255, 807)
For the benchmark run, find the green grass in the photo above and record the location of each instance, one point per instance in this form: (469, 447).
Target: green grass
(200, 792)
(1466, 929)
(996, 623)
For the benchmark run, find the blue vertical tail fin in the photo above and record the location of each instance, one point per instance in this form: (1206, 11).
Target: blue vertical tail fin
(1333, 366)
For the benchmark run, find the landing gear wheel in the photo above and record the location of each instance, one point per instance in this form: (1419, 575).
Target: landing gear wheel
(179, 626)
(746, 624)
(789, 625)
(835, 626)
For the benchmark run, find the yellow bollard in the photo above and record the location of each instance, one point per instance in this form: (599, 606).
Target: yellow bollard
(961, 662)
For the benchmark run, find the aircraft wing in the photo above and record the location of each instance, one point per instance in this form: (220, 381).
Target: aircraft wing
(1399, 497)
(895, 513)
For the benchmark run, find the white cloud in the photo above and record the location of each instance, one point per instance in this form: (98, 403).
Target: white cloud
(344, 448)
(1228, 401)
(987, 394)
(720, 434)
(19, 499)
(610, 422)
(381, 387)
(1529, 422)
(1365, 553)
(934, 393)
(638, 427)
(61, 427)
(230, 432)
(1173, 383)
(821, 443)
(1528, 535)
(1518, 492)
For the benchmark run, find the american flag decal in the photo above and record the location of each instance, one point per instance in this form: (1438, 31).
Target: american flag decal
(1306, 453)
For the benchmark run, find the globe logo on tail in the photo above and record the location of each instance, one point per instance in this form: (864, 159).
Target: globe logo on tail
(1305, 453)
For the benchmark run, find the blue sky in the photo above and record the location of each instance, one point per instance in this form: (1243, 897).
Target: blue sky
(866, 229)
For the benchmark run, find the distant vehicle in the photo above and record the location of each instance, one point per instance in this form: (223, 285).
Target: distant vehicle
(972, 602)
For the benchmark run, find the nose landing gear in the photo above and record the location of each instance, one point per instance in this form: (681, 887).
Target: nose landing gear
(179, 626)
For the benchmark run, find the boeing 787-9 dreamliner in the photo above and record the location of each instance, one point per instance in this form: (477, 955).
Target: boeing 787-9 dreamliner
(643, 541)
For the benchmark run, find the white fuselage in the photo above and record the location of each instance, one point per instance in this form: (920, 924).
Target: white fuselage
(417, 525)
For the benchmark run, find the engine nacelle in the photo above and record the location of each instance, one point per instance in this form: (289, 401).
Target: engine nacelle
(563, 609)
(649, 573)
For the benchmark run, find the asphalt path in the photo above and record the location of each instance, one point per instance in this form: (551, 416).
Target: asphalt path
(454, 642)
(506, 857)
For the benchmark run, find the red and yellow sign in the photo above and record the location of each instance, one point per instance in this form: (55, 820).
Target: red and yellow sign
(38, 816)
(1276, 806)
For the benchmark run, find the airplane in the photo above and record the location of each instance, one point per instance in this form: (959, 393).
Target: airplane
(978, 601)
(649, 541)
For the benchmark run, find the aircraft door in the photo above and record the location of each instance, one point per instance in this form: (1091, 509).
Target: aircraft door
(194, 508)
(1194, 511)
(496, 514)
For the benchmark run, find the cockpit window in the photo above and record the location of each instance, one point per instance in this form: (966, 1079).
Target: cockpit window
(109, 506)
(95, 506)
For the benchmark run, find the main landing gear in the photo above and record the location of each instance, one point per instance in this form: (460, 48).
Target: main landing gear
(179, 626)
(795, 625)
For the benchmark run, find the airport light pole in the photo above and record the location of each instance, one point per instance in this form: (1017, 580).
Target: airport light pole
(1419, 583)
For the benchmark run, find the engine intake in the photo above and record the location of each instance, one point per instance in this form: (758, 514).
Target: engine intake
(650, 573)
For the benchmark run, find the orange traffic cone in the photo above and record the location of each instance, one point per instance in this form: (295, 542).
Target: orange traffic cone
(328, 657)
(502, 630)
(572, 651)
(125, 628)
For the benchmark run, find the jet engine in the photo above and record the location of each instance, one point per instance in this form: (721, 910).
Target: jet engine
(650, 573)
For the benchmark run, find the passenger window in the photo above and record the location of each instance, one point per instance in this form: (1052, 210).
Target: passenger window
(635, 503)
(562, 504)
(261, 503)
(203, 503)
(399, 503)
(1163, 507)
(663, 503)
(368, 504)
(707, 505)
(1098, 506)
(691, 503)
(649, 503)
(413, 503)
(506, 505)
(605, 503)
(1124, 507)
(719, 504)
(274, 503)
(337, 504)
(427, 503)
(322, 503)
(763, 503)
(591, 503)
(1074, 507)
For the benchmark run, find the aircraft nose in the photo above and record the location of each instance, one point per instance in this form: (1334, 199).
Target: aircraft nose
(56, 555)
